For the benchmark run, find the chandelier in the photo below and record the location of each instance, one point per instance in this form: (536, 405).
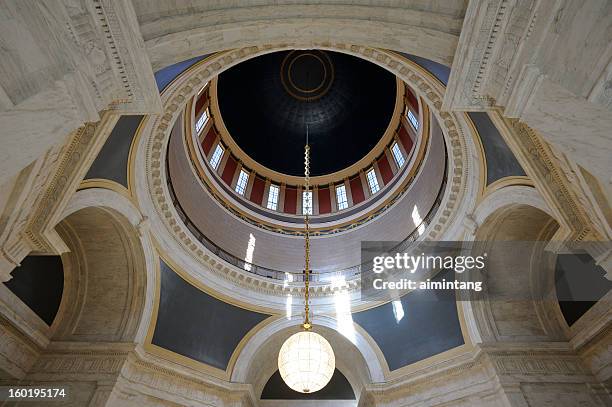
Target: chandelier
(306, 360)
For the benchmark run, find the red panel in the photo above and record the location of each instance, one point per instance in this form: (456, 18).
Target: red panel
(200, 104)
(290, 200)
(357, 190)
(324, 201)
(229, 170)
(385, 169)
(405, 139)
(412, 100)
(258, 190)
(208, 141)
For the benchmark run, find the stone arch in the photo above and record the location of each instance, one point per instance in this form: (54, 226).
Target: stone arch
(520, 303)
(105, 288)
(428, 30)
(358, 359)
(511, 195)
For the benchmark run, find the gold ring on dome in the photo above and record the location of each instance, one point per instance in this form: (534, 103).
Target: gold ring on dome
(300, 92)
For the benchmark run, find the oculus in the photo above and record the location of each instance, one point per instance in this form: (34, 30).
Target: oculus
(307, 75)
(266, 103)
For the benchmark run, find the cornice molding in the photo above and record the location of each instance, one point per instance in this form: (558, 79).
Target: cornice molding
(50, 184)
(112, 56)
(543, 167)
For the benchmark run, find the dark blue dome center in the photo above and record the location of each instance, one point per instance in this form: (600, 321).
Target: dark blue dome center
(268, 101)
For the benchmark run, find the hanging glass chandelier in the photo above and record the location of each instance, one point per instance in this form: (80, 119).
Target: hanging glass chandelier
(306, 360)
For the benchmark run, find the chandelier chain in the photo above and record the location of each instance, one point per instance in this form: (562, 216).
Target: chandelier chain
(307, 325)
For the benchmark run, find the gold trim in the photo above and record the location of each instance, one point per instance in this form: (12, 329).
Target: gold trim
(482, 161)
(186, 361)
(131, 169)
(277, 177)
(467, 347)
(290, 78)
(391, 375)
(167, 354)
(208, 290)
(156, 296)
(107, 184)
(520, 180)
(429, 362)
(172, 356)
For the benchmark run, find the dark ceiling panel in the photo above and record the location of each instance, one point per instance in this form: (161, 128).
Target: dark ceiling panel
(39, 283)
(268, 119)
(112, 161)
(430, 326)
(197, 325)
(500, 160)
(338, 388)
(580, 283)
(164, 76)
(442, 72)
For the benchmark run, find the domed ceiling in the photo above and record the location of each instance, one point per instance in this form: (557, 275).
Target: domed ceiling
(267, 103)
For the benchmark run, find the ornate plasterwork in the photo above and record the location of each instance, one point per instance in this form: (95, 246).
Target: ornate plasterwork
(50, 197)
(63, 66)
(547, 175)
(500, 66)
(43, 185)
(486, 63)
(120, 372)
(505, 51)
(17, 351)
(392, 193)
(460, 188)
(545, 167)
(487, 373)
(96, 53)
(111, 56)
(508, 60)
(51, 183)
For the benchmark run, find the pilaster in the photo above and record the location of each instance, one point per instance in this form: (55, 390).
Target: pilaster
(528, 58)
(90, 57)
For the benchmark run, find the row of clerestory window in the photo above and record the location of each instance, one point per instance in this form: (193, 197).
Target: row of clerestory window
(307, 206)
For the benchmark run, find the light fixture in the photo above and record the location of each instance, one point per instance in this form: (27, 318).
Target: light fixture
(306, 360)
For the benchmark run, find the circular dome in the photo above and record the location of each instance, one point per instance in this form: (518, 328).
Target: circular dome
(306, 362)
(268, 102)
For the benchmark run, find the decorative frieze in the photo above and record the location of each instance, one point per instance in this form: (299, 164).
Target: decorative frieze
(545, 63)
(17, 352)
(511, 364)
(51, 183)
(64, 65)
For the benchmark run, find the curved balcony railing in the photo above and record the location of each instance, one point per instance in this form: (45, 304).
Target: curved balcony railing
(316, 275)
